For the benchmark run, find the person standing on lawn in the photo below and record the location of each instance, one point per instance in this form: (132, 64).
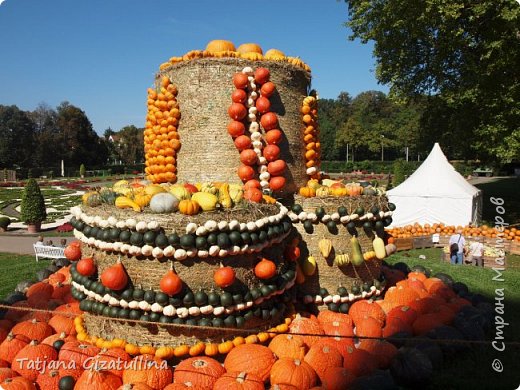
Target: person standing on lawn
(39, 241)
(456, 246)
(476, 253)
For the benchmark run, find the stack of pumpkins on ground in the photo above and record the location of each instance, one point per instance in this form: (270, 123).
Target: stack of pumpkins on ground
(327, 351)
(327, 187)
(187, 198)
(416, 230)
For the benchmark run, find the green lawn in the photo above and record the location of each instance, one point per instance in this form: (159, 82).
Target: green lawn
(15, 268)
(473, 369)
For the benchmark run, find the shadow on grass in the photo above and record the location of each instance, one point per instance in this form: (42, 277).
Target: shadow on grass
(473, 369)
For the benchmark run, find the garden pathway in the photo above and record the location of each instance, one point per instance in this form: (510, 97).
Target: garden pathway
(23, 244)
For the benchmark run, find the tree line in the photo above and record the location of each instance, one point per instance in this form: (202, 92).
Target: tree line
(458, 60)
(46, 136)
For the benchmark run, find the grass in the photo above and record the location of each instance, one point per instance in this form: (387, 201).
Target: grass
(16, 268)
(473, 369)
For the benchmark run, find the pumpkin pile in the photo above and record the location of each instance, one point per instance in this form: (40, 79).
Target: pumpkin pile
(373, 342)
(225, 49)
(161, 139)
(309, 112)
(250, 102)
(323, 188)
(417, 230)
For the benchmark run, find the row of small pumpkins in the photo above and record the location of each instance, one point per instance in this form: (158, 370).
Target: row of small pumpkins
(311, 139)
(327, 187)
(186, 198)
(427, 229)
(226, 49)
(316, 350)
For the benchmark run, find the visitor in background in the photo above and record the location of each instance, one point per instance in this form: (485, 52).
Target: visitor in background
(476, 253)
(63, 242)
(456, 246)
(39, 242)
(49, 243)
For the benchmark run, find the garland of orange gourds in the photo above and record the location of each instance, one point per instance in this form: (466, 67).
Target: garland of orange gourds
(168, 352)
(309, 112)
(161, 138)
(256, 140)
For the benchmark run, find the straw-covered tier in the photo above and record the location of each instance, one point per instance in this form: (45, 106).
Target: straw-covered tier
(204, 87)
(224, 255)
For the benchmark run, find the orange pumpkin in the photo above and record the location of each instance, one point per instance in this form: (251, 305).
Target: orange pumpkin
(359, 362)
(238, 381)
(243, 142)
(150, 370)
(321, 356)
(5, 373)
(262, 75)
(237, 111)
(269, 121)
(246, 173)
(86, 266)
(382, 351)
(72, 252)
(62, 324)
(276, 183)
(17, 383)
(271, 152)
(240, 80)
(58, 336)
(253, 183)
(368, 327)
(267, 89)
(250, 358)
(33, 351)
(97, 380)
(265, 269)
(249, 48)
(200, 371)
(12, 345)
(273, 137)
(248, 157)
(253, 195)
(307, 192)
(112, 359)
(77, 353)
(263, 104)
(293, 372)
(236, 129)
(224, 276)
(219, 45)
(135, 386)
(33, 329)
(277, 167)
(362, 309)
(303, 325)
(39, 292)
(239, 96)
(170, 283)
(189, 207)
(115, 277)
(337, 378)
(288, 346)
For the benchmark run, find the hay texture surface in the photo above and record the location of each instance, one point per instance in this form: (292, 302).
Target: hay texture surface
(204, 94)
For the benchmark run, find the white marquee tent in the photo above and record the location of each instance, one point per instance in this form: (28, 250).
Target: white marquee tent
(436, 193)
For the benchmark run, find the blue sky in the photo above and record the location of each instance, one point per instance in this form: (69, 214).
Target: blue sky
(101, 55)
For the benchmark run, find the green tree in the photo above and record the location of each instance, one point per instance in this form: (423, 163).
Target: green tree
(16, 137)
(82, 170)
(462, 53)
(333, 113)
(131, 145)
(47, 150)
(32, 205)
(78, 141)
